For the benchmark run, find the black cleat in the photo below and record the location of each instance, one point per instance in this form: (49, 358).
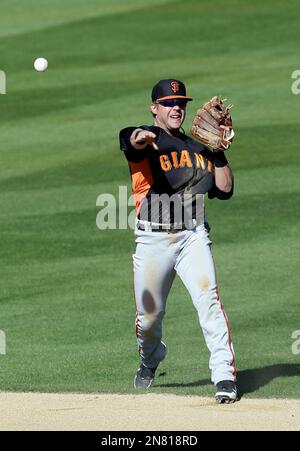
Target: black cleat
(226, 392)
(144, 377)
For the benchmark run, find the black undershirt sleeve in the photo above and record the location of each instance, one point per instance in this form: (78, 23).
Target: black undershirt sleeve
(124, 137)
(220, 159)
(132, 154)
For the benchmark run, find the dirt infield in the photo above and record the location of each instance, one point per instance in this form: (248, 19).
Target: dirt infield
(149, 412)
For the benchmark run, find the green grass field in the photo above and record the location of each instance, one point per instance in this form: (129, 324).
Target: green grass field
(66, 299)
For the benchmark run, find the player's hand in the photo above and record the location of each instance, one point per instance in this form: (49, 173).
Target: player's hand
(141, 138)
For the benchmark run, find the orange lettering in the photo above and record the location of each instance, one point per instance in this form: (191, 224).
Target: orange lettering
(209, 166)
(175, 160)
(185, 159)
(199, 161)
(165, 163)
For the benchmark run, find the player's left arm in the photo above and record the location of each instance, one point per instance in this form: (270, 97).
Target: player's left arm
(224, 178)
(223, 186)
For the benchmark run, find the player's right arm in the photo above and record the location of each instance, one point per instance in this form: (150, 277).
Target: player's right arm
(140, 138)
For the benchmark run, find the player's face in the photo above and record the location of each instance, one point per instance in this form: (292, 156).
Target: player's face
(170, 118)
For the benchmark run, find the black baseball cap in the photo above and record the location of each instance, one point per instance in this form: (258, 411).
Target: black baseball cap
(169, 89)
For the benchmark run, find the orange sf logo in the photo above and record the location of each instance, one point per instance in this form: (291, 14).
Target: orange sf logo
(175, 86)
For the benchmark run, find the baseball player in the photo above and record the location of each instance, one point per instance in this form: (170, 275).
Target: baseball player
(170, 174)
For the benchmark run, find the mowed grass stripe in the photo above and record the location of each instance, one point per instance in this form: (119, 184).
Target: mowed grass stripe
(37, 15)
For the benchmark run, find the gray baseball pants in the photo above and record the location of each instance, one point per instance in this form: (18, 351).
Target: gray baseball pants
(158, 257)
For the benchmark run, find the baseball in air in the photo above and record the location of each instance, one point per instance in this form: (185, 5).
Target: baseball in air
(41, 64)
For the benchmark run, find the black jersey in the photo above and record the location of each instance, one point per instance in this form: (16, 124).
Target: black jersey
(182, 168)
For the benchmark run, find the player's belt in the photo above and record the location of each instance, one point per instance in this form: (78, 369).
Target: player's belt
(169, 228)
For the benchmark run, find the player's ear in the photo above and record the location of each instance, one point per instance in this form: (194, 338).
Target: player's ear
(153, 108)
